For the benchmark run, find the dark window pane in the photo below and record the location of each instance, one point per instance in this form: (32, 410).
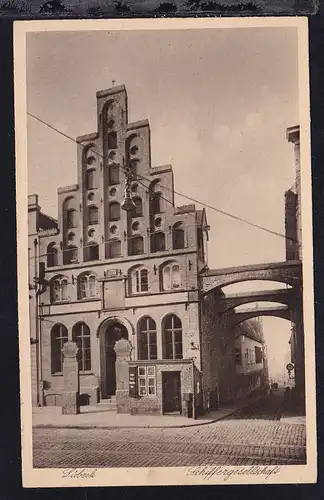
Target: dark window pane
(112, 140)
(114, 211)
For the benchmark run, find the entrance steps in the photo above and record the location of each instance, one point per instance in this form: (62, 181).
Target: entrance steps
(108, 404)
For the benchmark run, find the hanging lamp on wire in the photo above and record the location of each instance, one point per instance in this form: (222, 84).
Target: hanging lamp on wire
(128, 203)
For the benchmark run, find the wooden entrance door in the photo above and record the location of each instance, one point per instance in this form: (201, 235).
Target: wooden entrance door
(171, 392)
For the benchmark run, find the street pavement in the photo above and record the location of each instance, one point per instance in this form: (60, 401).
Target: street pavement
(229, 442)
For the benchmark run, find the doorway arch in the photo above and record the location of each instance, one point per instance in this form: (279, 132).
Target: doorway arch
(109, 332)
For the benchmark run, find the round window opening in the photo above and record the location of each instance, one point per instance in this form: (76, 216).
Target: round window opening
(91, 160)
(91, 233)
(133, 150)
(111, 155)
(135, 226)
(111, 123)
(134, 188)
(113, 192)
(91, 196)
(158, 222)
(71, 236)
(113, 229)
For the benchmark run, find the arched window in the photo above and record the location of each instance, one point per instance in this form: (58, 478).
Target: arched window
(93, 251)
(59, 336)
(135, 245)
(59, 289)
(70, 255)
(113, 249)
(158, 242)
(51, 255)
(178, 240)
(93, 215)
(90, 179)
(156, 204)
(138, 211)
(171, 276)
(112, 140)
(139, 280)
(87, 286)
(114, 211)
(70, 217)
(172, 337)
(146, 338)
(113, 174)
(81, 336)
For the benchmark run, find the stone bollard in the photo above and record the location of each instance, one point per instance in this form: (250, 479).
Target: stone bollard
(123, 349)
(70, 394)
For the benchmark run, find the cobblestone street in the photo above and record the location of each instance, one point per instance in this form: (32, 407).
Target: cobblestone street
(230, 442)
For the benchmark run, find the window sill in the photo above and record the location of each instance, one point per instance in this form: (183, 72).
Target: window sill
(86, 372)
(59, 302)
(57, 374)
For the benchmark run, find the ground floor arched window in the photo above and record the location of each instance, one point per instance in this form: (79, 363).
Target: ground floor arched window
(59, 336)
(146, 338)
(81, 336)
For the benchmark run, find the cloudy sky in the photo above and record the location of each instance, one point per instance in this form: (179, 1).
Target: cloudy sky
(219, 102)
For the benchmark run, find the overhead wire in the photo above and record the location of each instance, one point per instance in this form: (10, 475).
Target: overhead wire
(139, 177)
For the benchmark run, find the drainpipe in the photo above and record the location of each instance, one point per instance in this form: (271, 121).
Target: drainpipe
(36, 323)
(193, 391)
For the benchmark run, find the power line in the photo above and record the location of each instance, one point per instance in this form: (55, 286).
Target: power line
(138, 177)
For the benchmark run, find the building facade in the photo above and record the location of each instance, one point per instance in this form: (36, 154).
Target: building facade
(101, 273)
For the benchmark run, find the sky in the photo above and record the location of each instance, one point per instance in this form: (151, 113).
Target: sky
(218, 101)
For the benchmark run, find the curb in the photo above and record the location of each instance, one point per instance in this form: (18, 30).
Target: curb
(114, 427)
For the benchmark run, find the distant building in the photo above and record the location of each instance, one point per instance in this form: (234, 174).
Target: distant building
(294, 252)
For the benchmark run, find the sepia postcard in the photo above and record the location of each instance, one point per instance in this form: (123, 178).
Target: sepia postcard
(165, 259)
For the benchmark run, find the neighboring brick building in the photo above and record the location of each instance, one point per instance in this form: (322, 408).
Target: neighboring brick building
(106, 273)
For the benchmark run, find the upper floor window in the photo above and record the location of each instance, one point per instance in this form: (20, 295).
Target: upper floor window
(112, 140)
(135, 245)
(147, 338)
(87, 286)
(238, 356)
(70, 255)
(113, 249)
(59, 336)
(81, 336)
(171, 276)
(59, 289)
(71, 218)
(178, 240)
(138, 210)
(90, 179)
(113, 174)
(93, 215)
(93, 250)
(155, 203)
(114, 211)
(139, 280)
(258, 354)
(51, 255)
(158, 242)
(172, 337)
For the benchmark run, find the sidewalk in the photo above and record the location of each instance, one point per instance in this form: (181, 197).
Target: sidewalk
(92, 417)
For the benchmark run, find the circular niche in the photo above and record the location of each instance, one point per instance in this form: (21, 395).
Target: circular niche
(113, 229)
(158, 222)
(71, 236)
(91, 160)
(91, 233)
(111, 123)
(135, 226)
(111, 155)
(91, 196)
(134, 188)
(133, 150)
(113, 192)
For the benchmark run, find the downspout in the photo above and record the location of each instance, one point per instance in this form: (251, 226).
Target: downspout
(193, 391)
(36, 323)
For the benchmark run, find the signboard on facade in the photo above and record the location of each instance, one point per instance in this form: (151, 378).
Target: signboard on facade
(132, 381)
